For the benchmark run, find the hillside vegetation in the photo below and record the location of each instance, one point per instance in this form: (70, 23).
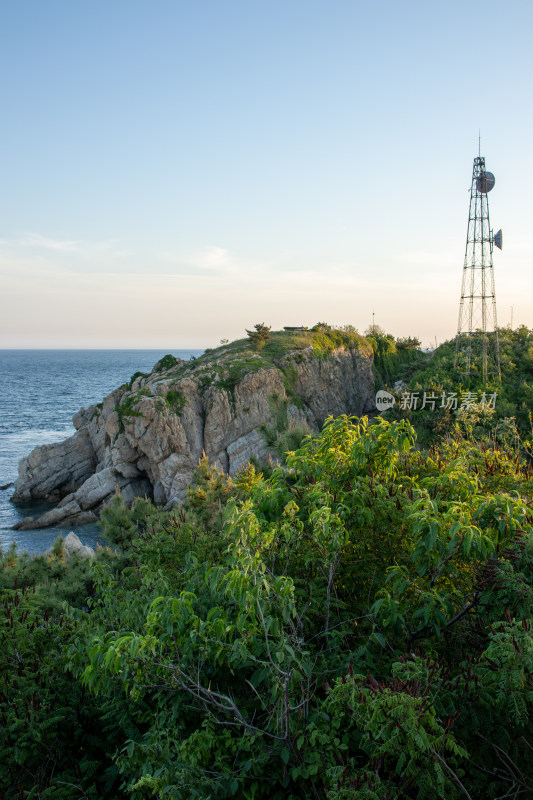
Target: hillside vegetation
(435, 374)
(352, 625)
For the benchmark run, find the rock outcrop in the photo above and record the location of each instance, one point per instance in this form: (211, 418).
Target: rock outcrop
(71, 546)
(147, 437)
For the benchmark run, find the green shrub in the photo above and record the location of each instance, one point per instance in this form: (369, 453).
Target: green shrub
(260, 336)
(176, 401)
(166, 363)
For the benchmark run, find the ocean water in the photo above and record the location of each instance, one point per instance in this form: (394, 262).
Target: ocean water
(40, 390)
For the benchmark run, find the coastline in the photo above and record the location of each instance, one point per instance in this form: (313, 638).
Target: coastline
(40, 391)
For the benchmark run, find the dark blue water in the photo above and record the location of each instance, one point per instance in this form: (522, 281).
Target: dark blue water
(40, 390)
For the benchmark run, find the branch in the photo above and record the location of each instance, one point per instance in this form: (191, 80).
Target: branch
(263, 625)
(328, 596)
(441, 563)
(453, 776)
(209, 697)
(511, 772)
(424, 631)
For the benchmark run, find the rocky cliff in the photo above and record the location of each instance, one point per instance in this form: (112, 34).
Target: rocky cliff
(147, 437)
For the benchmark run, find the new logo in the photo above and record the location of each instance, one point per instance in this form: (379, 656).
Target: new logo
(384, 400)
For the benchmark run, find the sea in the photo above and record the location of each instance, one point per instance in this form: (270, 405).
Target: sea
(40, 390)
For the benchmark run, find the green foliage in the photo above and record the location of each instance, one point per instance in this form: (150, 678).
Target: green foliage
(408, 343)
(59, 581)
(237, 369)
(127, 409)
(394, 359)
(395, 725)
(382, 343)
(121, 524)
(282, 434)
(437, 374)
(356, 624)
(134, 378)
(260, 336)
(55, 740)
(290, 378)
(327, 338)
(176, 401)
(207, 495)
(166, 363)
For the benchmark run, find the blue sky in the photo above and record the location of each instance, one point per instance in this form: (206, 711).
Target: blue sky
(174, 172)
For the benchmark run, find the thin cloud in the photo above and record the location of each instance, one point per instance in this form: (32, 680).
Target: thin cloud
(65, 255)
(46, 243)
(213, 258)
(80, 247)
(208, 258)
(209, 261)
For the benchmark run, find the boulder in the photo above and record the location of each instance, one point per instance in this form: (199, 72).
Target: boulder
(54, 470)
(25, 524)
(67, 514)
(72, 546)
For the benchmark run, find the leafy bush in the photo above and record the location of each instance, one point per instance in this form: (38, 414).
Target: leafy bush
(355, 624)
(335, 637)
(127, 409)
(327, 338)
(176, 401)
(166, 363)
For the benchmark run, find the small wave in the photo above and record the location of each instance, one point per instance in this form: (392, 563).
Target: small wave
(35, 435)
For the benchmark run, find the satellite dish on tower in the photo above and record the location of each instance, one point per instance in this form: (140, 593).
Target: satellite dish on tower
(498, 239)
(485, 182)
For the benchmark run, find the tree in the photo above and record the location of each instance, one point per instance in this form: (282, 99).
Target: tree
(408, 343)
(260, 336)
(365, 625)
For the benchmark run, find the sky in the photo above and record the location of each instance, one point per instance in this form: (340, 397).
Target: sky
(174, 172)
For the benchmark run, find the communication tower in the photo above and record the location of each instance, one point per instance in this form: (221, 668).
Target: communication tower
(477, 352)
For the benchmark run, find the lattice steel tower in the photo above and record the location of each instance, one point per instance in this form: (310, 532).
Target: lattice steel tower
(477, 351)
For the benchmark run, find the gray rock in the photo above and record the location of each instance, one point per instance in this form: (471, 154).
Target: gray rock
(241, 450)
(154, 452)
(83, 518)
(25, 524)
(140, 488)
(97, 488)
(72, 546)
(57, 515)
(54, 470)
(85, 552)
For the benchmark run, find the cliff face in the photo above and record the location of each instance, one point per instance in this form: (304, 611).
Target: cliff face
(147, 438)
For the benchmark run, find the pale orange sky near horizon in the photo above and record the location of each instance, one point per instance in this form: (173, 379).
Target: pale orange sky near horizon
(174, 178)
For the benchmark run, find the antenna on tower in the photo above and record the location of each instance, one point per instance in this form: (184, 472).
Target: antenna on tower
(477, 351)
